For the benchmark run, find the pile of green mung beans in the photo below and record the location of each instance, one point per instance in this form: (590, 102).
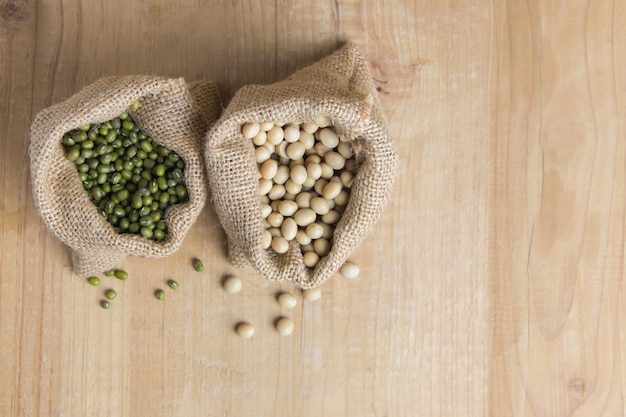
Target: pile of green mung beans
(130, 178)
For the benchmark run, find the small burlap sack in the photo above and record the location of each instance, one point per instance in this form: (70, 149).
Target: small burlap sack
(339, 86)
(173, 113)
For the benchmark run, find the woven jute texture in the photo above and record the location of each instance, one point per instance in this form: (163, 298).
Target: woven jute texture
(339, 86)
(173, 113)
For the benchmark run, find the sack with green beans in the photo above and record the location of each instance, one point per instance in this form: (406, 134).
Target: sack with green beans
(336, 92)
(174, 114)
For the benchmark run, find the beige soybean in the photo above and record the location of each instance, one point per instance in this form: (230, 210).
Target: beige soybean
(345, 149)
(250, 130)
(342, 198)
(346, 178)
(275, 135)
(310, 259)
(331, 204)
(315, 231)
(266, 210)
(275, 219)
(269, 146)
(269, 169)
(289, 196)
(334, 160)
(280, 245)
(321, 149)
(321, 247)
(282, 175)
(303, 238)
(308, 184)
(277, 192)
(289, 228)
(314, 170)
(232, 285)
(260, 138)
(319, 186)
(328, 231)
(328, 137)
(304, 200)
(245, 330)
(307, 139)
(350, 165)
(265, 126)
(327, 171)
(304, 217)
(295, 150)
(331, 190)
(293, 188)
(292, 133)
(332, 217)
(312, 294)
(287, 300)
(284, 326)
(350, 270)
(265, 186)
(281, 151)
(262, 154)
(312, 159)
(319, 205)
(310, 127)
(298, 174)
(287, 208)
(274, 231)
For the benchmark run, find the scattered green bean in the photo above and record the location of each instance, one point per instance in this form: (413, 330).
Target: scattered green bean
(119, 274)
(159, 294)
(95, 281)
(198, 265)
(172, 284)
(122, 168)
(105, 304)
(110, 294)
(109, 273)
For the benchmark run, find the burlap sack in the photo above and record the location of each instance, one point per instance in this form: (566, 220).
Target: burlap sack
(173, 113)
(338, 86)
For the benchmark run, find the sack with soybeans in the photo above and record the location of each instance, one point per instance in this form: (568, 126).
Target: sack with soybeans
(299, 170)
(117, 168)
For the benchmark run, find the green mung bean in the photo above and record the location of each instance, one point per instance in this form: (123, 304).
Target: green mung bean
(95, 281)
(198, 265)
(131, 179)
(110, 294)
(120, 274)
(172, 284)
(105, 304)
(159, 294)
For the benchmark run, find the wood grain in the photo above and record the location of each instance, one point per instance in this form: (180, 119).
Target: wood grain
(492, 285)
(558, 232)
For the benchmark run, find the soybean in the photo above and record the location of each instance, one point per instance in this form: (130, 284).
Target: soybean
(306, 171)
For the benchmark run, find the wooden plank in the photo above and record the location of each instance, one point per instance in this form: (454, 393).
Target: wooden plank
(558, 232)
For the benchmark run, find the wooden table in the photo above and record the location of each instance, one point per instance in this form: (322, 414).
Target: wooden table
(492, 284)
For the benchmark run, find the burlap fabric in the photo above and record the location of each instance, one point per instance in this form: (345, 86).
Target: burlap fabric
(339, 86)
(173, 113)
